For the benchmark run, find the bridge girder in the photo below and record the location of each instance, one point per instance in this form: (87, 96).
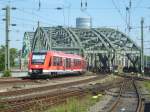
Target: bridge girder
(87, 42)
(27, 40)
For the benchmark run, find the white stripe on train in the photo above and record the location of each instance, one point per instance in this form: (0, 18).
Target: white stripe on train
(61, 71)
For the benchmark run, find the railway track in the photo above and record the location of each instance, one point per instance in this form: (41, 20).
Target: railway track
(44, 88)
(47, 100)
(14, 80)
(135, 77)
(55, 97)
(128, 98)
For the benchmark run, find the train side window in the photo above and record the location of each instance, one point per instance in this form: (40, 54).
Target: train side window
(77, 62)
(68, 62)
(57, 61)
(54, 61)
(74, 61)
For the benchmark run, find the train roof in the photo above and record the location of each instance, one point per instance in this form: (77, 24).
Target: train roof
(60, 53)
(36, 52)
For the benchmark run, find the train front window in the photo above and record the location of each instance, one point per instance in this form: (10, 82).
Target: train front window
(38, 58)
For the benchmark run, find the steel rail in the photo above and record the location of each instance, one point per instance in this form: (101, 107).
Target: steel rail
(113, 106)
(139, 107)
(47, 100)
(49, 87)
(140, 102)
(50, 99)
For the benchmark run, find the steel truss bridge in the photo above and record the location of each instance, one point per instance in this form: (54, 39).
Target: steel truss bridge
(102, 47)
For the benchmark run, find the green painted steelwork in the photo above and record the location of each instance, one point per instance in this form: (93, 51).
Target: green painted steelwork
(93, 44)
(27, 42)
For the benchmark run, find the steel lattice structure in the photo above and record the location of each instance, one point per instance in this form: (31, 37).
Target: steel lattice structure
(100, 46)
(27, 40)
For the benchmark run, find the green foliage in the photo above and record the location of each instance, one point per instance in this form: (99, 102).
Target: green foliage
(147, 85)
(13, 55)
(72, 106)
(7, 73)
(3, 106)
(148, 57)
(76, 105)
(2, 58)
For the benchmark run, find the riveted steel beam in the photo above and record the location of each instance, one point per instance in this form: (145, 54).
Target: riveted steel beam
(27, 42)
(90, 42)
(106, 39)
(103, 42)
(77, 38)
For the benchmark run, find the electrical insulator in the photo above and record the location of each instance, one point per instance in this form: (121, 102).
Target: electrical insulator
(86, 4)
(81, 5)
(39, 4)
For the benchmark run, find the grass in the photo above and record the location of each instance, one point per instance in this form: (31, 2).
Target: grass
(147, 74)
(147, 85)
(76, 105)
(3, 106)
(71, 105)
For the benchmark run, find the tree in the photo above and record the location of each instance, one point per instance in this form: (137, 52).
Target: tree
(13, 55)
(2, 58)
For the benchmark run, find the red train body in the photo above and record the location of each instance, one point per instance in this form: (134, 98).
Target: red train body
(54, 62)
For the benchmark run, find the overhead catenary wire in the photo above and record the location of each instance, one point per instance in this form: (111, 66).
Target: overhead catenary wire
(27, 24)
(29, 20)
(118, 10)
(138, 3)
(91, 8)
(39, 5)
(69, 10)
(32, 13)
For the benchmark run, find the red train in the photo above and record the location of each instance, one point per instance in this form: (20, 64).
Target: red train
(54, 62)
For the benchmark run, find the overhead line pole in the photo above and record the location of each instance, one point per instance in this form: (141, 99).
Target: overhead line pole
(7, 29)
(7, 22)
(130, 3)
(142, 47)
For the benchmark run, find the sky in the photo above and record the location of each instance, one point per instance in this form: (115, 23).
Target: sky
(104, 13)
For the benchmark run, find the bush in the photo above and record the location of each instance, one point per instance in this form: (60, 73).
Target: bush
(7, 73)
